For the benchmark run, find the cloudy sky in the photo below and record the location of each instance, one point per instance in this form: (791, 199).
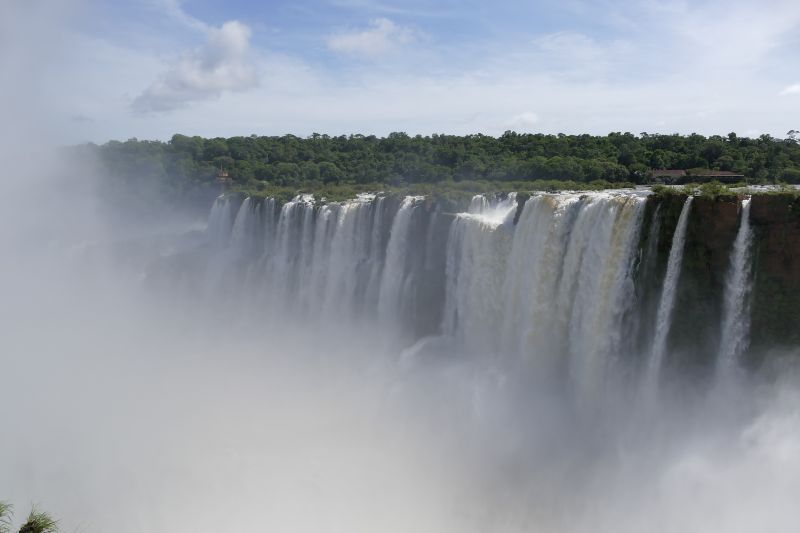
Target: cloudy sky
(150, 68)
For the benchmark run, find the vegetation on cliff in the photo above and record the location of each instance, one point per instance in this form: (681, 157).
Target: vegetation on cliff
(186, 166)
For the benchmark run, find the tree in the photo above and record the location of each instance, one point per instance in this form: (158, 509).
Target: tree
(138, 170)
(329, 172)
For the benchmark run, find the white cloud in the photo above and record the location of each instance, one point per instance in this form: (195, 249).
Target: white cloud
(571, 46)
(223, 63)
(173, 9)
(657, 78)
(791, 89)
(382, 36)
(578, 56)
(523, 121)
(694, 47)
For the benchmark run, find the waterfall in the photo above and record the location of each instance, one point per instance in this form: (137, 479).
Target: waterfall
(319, 261)
(291, 252)
(376, 246)
(478, 204)
(493, 204)
(220, 222)
(224, 236)
(667, 301)
(244, 231)
(537, 251)
(604, 291)
(735, 316)
(395, 271)
(477, 249)
(555, 287)
(353, 258)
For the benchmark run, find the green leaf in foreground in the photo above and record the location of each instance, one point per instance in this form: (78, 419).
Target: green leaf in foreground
(5, 517)
(39, 522)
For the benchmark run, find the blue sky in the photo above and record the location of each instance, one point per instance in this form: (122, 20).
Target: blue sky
(150, 68)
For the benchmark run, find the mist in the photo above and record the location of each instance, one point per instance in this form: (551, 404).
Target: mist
(133, 406)
(135, 398)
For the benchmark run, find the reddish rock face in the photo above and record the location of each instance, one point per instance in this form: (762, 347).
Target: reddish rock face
(776, 221)
(716, 222)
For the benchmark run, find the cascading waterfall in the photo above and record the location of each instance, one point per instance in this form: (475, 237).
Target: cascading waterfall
(736, 316)
(220, 222)
(353, 267)
(604, 291)
(551, 283)
(291, 252)
(667, 301)
(244, 233)
(325, 260)
(478, 204)
(556, 286)
(478, 245)
(317, 261)
(393, 281)
(220, 234)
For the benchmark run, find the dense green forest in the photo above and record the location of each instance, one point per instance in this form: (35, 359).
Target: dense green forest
(187, 166)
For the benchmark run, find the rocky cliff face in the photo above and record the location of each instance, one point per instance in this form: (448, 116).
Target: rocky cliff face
(712, 229)
(713, 225)
(776, 255)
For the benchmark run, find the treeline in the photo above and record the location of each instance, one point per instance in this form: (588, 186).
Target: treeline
(188, 165)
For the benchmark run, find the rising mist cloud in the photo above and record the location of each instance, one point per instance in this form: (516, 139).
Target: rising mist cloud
(222, 64)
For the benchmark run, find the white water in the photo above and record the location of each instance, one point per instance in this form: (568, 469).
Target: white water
(735, 316)
(555, 290)
(396, 271)
(667, 302)
(478, 204)
(555, 287)
(324, 263)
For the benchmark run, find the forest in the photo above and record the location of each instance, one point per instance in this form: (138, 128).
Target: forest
(186, 167)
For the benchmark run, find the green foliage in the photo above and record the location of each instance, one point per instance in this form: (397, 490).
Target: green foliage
(690, 189)
(39, 522)
(715, 189)
(662, 190)
(786, 189)
(712, 189)
(5, 517)
(187, 166)
(449, 193)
